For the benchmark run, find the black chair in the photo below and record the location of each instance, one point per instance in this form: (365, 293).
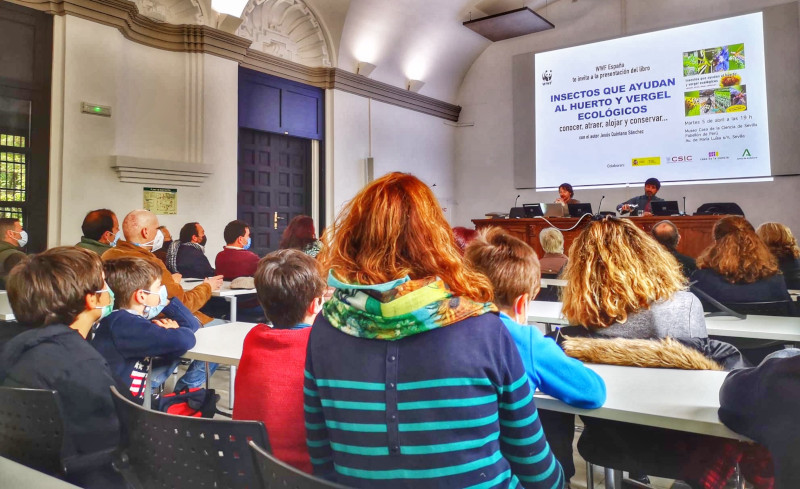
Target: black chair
(276, 474)
(161, 450)
(32, 429)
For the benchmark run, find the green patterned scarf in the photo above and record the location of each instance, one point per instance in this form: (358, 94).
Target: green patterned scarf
(397, 309)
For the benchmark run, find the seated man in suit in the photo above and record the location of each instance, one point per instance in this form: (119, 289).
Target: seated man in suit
(666, 233)
(642, 202)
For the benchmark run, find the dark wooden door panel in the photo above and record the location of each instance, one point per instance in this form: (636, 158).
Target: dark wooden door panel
(274, 182)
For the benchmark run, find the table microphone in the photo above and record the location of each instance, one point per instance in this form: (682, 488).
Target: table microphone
(601, 203)
(684, 205)
(517, 200)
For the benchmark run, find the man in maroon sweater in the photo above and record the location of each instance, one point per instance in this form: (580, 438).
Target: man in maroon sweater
(235, 260)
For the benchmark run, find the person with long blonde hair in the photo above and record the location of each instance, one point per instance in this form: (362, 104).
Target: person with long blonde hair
(738, 266)
(783, 245)
(622, 283)
(412, 380)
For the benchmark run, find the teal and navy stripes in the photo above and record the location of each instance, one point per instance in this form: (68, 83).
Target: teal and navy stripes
(451, 407)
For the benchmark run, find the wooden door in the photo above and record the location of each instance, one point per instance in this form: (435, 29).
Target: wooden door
(274, 184)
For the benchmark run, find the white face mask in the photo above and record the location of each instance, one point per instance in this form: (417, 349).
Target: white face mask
(157, 242)
(23, 239)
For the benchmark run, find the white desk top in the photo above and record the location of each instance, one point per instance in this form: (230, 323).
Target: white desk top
(6, 314)
(220, 344)
(224, 291)
(555, 282)
(546, 312)
(685, 400)
(17, 475)
(759, 327)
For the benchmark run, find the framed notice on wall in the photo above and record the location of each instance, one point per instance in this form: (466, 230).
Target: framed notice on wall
(161, 200)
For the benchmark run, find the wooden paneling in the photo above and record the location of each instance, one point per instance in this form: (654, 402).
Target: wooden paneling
(696, 231)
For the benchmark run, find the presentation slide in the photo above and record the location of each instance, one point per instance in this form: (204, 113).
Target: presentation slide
(682, 104)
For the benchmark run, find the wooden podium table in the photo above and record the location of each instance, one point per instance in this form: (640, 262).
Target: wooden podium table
(696, 231)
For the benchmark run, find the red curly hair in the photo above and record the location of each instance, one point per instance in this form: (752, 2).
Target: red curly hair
(395, 228)
(738, 254)
(298, 234)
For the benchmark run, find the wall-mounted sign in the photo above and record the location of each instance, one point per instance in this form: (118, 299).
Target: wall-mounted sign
(161, 200)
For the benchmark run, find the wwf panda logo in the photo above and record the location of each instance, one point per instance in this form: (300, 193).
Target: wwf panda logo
(547, 75)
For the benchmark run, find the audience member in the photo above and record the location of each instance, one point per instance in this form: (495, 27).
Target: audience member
(236, 260)
(621, 283)
(142, 236)
(404, 301)
(188, 255)
(13, 238)
(513, 269)
(161, 253)
(300, 235)
(100, 231)
(666, 233)
(290, 290)
(641, 203)
(762, 404)
(554, 259)
(130, 337)
(464, 237)
(781, 242)
(738, 266)
(566, 195)
(58, 295)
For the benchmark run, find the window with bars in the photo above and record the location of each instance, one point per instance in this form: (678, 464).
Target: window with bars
(14, 153)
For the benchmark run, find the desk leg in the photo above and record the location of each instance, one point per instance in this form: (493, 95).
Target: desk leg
(613, 478)
(231, 386)
(208, 376)
(148, 389)
(232, 299)
(548, 328)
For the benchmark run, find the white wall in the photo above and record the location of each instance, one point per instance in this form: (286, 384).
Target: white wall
(484, 178)
(165, 105)
(402, 140)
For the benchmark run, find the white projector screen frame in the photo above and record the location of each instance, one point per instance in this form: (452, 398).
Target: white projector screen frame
(683, 104)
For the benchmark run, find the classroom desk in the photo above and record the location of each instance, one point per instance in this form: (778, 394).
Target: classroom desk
(684, 400)
(225, 292)
(548, 313)
(221, 344)
(16, 475)
(553, 282)
(758, 327)
(6, 314)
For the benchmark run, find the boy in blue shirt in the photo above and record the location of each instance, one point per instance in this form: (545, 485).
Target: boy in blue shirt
(513, 269)
(129, 337)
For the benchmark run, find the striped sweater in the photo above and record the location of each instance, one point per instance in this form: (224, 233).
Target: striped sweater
(451, 407)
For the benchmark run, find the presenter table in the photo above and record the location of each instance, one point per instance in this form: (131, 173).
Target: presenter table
(225, 292)
(696, 231)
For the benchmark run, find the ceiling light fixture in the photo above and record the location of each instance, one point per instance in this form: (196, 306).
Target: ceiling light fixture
(414, 85)
(506, 25)
(230, 7)
(364, 69)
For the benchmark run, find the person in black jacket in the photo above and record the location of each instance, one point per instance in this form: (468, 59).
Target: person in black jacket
(59, 294)
(762, 403)
(187, 256)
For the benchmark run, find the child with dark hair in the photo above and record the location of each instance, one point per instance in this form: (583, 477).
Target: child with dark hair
(270, 375)
(58, 295)
(130, 337)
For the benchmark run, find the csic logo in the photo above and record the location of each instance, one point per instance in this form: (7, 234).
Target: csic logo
(678, 159)
(546, 77)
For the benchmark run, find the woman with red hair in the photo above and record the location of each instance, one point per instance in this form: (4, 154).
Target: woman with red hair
(738, 266)
(300, 235)
(411, 378)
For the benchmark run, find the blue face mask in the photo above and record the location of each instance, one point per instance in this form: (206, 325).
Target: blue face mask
(117, 237)
(152, 311)
(247, 245)
(108, 308)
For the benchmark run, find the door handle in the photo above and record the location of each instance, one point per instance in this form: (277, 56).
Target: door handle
(275, 220)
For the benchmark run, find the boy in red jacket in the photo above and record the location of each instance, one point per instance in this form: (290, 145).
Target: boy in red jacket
(269, 382)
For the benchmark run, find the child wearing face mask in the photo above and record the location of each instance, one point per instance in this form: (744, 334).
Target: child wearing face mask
(130, 336)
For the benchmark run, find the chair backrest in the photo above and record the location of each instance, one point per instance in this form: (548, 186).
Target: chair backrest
(276, 474)
(162, 450)
(32, 428)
